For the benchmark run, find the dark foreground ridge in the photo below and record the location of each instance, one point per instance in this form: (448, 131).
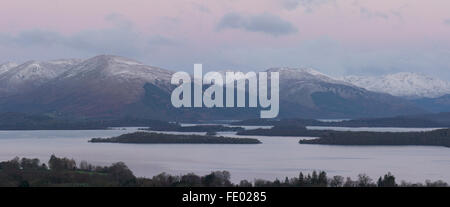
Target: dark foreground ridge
(23, 121)
(64, 172)
(159, 138)
(440, 137)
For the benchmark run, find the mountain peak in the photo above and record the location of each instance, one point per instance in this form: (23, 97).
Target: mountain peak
(108, 66)
(112, 59)
(35, 70)
(291, 69)
(297, 72)
(31, 74)
(304, 74)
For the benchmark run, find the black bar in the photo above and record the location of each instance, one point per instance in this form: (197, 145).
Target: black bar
(274, 196)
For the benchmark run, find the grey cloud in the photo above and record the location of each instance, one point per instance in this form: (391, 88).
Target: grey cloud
(334, 58)
(290, 4)
(373, 14)
(201, 7)
(159, 40)
(264, 23)
(308, 5)
(114, 41)
(119, 20)
(385, 14)
(32, 37)
(447, 21)
(120, 39)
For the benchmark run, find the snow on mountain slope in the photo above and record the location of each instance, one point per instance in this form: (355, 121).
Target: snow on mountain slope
(104, 66)
(408, 85)
(32, 74)
(305, 92)
(304, 74)
(114, 86)
(7, 66)
(103, 85)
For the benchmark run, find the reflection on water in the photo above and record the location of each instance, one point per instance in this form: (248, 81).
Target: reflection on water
(277, 157)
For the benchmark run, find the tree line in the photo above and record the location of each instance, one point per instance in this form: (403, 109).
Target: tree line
(65, 172)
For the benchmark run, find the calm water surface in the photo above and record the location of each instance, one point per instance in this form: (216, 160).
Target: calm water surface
(277, 157)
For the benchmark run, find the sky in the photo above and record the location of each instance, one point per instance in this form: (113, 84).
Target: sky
(336, 37)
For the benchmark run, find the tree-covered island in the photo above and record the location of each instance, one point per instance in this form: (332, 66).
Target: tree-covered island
(159, 138)
(440, 137)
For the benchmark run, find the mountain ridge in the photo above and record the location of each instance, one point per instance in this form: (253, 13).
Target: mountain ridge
(108, 86)
(405, 84)
(32, 74)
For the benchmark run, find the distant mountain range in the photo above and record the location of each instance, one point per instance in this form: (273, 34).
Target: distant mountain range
(112, 86)
(427, 92)
(309, 93)
(407, 85)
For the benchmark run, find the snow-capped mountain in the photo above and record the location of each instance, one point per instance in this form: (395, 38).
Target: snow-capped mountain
(297, 74)
(106, 86)
(31, 74)
(305, 74)
(102, 84)
(6, 66)
(408, 85)
(308, 92)
(118, 67)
